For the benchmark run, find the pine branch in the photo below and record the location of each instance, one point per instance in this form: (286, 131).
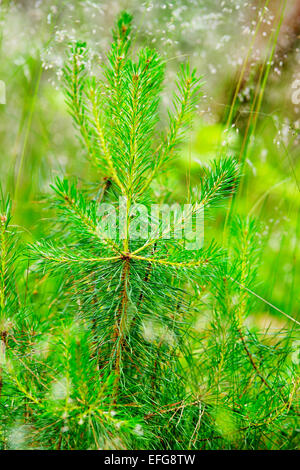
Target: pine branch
(81, 212)
(75, 78)
(8, 297)
(181, 119)
(218, 183)
(94, 95)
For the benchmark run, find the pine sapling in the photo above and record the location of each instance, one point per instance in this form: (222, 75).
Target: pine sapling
(130, 289)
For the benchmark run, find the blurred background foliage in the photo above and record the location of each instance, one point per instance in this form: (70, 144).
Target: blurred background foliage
(249, 56)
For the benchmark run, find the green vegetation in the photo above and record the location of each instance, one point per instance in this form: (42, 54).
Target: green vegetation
(116, 342)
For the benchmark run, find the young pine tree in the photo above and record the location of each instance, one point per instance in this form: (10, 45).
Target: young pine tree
(125, 287)
(115, 360)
